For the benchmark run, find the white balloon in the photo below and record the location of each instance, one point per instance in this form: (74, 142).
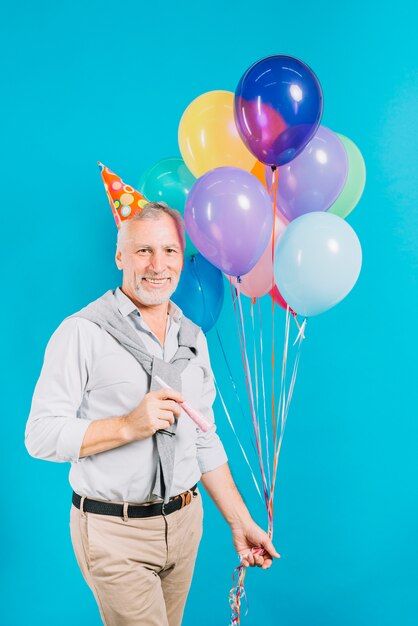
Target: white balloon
(317, 262)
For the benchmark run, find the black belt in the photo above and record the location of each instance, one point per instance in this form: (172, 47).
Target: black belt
(136, 510)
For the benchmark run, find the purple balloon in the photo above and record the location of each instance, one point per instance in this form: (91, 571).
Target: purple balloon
(314, 179)
(229, 218)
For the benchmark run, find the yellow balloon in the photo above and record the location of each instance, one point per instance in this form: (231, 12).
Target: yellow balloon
(208, 136)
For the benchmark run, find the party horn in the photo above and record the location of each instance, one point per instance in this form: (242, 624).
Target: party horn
(198, 418)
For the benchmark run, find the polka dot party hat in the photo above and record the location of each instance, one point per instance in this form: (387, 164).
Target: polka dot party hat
(125, 201)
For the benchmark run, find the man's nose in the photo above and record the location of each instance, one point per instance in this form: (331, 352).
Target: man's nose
(157, 263)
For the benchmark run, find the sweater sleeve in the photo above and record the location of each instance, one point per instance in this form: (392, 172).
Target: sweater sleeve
(54, 431)
(210, 451)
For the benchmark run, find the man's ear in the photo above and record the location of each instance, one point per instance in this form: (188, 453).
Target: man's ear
(118, 259)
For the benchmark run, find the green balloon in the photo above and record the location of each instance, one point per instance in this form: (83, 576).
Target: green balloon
(356, 179)
(169, 181)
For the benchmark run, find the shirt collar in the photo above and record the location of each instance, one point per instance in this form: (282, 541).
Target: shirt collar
(126, 306)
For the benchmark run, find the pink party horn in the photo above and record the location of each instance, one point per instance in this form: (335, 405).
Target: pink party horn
(198, 418)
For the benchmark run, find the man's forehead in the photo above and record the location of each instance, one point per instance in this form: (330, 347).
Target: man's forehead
(161, 230)
(151, 243)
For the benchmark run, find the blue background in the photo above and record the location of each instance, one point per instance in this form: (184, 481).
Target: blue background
(87, 81)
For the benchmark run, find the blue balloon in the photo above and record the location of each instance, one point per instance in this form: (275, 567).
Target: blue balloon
(278, 108)
(317, 262)
(200, 292)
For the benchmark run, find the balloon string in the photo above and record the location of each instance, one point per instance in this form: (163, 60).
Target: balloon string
(255, 356)
(234, 294)
(258, 364)
(260, 326)
(294, 373)
(292, 384)
(296, 321)
(234, 298)
(282, 397)
(238, 439)
(257, 381)
(301, 333)
(247, 375)
(202, 291)
(277, 444)
(277, 441)
(284, 403)
(234, 386)
(274, 183)
(256, 424)
(237, 593)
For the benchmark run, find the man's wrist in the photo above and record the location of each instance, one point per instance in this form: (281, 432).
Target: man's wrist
(126, 429)
(237, 515)
(238, 520)
(223, 491)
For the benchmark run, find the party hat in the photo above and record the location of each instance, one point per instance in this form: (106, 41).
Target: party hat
(125, 201)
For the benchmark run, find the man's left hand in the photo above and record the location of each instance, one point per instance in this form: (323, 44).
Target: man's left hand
(250, 537)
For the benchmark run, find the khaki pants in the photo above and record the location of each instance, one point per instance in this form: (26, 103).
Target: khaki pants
(139, 570)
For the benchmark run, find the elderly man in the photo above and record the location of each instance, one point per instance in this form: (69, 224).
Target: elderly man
(136, 517)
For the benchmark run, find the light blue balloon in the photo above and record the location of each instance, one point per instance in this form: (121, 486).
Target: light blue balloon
(200, 292)
(317, 262)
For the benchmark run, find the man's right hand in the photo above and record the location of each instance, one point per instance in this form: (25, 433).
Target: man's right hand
(156, 411)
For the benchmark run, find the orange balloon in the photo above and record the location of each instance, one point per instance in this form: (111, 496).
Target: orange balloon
(259, 172)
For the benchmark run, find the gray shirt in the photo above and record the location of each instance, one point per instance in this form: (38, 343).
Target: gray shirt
(88, 375)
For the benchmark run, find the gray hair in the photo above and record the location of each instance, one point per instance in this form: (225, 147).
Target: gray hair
(153, 211)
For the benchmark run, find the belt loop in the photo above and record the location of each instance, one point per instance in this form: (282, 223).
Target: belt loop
(125, 512)
(82, 506)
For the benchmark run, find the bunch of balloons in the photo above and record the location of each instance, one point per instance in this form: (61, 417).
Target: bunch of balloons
(264, 190)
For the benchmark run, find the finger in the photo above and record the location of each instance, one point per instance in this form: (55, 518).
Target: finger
(245, 558)
(168, 394)
(268, 546)
(267, 563)
(170, 405)
(162, 425)
(167, 416)
(258, 559)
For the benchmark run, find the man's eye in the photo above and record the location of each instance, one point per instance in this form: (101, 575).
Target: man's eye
(143, 250)
(170, 250)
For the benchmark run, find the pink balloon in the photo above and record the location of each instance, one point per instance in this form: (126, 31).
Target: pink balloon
(278, 298)
(260, 280)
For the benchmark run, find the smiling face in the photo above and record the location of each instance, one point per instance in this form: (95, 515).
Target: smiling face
(151, 256)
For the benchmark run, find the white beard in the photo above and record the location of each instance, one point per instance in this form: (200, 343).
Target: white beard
(149, 298)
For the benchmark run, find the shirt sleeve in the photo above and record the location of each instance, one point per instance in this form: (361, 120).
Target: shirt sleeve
(54, 432)
(210, 451)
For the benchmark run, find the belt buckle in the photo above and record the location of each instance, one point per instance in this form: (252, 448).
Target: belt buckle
(185, 497)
